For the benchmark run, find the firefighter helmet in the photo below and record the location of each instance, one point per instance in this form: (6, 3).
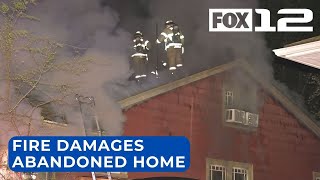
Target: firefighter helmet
(138, 34)
(169, 23)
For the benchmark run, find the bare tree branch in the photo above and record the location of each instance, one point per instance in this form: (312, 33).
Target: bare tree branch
(24, 96)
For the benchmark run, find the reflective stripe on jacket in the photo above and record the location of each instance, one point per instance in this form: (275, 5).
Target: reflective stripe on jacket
(175, 45)
(167, 37)
(141, 46)
(139, 54)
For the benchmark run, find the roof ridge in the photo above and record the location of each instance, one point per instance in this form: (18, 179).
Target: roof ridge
(143, 96)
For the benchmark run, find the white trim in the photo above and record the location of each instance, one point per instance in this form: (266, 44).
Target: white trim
(218, 168)
(230, 168)
(294, 52)
(316, 175)
(298, 48)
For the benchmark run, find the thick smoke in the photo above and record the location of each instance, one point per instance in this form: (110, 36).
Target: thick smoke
(88, 31)
(28, 114)
(87, 25)
(97, 31)
(203, 49)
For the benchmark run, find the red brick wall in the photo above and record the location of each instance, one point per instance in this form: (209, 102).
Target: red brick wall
(281, 149)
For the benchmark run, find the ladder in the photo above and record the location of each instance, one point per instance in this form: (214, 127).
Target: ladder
(90, 101)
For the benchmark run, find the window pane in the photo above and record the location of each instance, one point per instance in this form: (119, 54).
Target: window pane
(229, 98)
(217, 172)
(239, 176)
(217, 175)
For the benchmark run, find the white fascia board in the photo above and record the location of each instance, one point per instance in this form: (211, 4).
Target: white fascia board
(298, 50)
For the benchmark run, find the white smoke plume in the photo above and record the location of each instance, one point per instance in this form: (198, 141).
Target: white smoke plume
(93, 31)
(87, 25)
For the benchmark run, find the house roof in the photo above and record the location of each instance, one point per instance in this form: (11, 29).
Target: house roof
(141, 97)
(272, 89)
(309, 40)
(300, 114)
(305, 52)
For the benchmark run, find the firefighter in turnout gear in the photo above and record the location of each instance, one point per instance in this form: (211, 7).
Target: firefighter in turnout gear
(140, 57)
(174, 41)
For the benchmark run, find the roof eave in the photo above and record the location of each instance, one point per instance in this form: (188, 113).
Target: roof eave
(301, 116)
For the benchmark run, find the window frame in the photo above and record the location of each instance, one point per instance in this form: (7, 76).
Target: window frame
(316, 175)
(228, 96)
(235, 169)
(243, 127)
(223, 170)
(229, 165)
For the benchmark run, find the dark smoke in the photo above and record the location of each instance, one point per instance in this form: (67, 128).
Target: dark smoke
(204, 49)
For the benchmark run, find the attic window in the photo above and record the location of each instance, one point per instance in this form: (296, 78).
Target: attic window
(229, 98)
(240, 107)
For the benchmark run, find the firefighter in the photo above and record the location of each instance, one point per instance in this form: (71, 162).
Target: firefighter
(140, 57)
(174, 41)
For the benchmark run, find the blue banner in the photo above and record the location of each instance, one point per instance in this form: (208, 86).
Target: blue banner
(99, 154)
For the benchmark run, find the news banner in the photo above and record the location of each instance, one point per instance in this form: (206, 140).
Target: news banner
(99, 154)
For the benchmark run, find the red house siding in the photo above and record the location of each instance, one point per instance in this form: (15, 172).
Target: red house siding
(280, 149)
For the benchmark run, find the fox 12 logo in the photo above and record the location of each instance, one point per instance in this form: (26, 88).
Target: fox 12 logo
(241, 20)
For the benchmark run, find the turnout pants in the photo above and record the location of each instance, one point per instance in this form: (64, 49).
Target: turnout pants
(174, 57)
(140, 66)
